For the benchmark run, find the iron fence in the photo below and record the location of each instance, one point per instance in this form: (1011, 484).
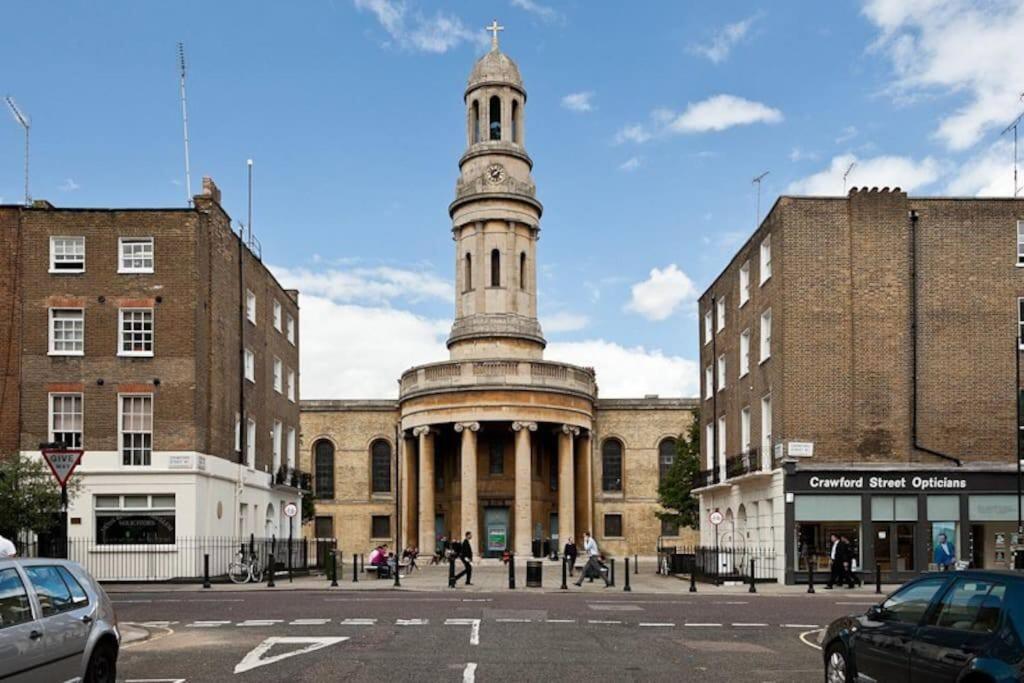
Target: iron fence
(720, 564)
(184, 559)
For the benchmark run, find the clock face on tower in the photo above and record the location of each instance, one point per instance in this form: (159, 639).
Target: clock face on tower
(495, 173)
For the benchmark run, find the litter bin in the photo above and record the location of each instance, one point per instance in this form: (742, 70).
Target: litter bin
(534, 573)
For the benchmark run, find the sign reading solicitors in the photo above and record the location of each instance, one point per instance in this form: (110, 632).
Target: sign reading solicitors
(907, 481)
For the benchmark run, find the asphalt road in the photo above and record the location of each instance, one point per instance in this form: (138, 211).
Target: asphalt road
(447, 636)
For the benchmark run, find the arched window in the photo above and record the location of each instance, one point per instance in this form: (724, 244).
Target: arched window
(611, 465)
(380, 466)
(666, 456)
(476, 122)
(468, 284)
(323, 469)
(495, 268)
(515, 121)
(495, 127)
(522, 271)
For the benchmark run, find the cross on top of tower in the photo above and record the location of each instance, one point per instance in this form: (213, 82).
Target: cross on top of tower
(494, 28)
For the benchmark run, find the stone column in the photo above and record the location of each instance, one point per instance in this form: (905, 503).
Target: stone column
(426, 497)
(566, 481)
(583, 490)
(524, 488)
(409, 497)
(470, 514)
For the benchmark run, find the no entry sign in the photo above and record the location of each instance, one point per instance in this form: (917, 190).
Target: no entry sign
(62, 462)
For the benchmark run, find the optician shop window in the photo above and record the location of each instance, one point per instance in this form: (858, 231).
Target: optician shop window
(817, 518)
(993, 530)
(944, 542)
(135, 519)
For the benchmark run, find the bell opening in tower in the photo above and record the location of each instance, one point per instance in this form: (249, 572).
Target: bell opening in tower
(495, 268)
(476, 122)
(515, 121)
(495, 108)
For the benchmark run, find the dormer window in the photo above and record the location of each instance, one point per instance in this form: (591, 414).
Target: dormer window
(495, 114)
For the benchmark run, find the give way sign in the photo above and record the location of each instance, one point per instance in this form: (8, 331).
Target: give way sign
(62, 462)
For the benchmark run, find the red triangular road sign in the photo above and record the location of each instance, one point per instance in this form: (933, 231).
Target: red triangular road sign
(62, 462)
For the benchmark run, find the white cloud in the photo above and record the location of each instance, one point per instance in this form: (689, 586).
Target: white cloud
(563, 322)
(633, 133)
(988, 174)
(579, 101)
(797, 154)
(630, 371)
(664, 291)
(723, 41)
(630, 164)
(713, 114)
(961, 47)
(881, 171)
(416, 32)
(69, 185)
(846, 134)
(369, 285)
(543, 11)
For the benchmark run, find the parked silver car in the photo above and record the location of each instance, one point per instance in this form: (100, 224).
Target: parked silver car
(56, 623)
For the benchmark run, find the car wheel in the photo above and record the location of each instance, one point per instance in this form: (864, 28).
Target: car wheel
(837, 668)
(102, 664)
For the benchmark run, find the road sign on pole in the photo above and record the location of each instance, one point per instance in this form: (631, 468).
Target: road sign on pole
(62, 462)
(716, 518)
(291, 509)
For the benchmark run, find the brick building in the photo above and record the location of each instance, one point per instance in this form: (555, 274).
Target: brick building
(159, 343)
(496, 440)
(858, 377)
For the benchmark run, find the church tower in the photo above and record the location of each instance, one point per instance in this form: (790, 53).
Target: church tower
(495, 220)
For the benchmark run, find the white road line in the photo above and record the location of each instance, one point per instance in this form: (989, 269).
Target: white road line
(157, 624)
(602, 621)
(477, 600)
(358, 622)
(560, 621)
(260, 622)
(731, 603)
(745, 625)
(207, 624)
(308, 622)
(474, 633)
(654, 624)
(701, 624)
(411, 622)
(514, 621)
(803, 639)
(469, 675)
(800, 626)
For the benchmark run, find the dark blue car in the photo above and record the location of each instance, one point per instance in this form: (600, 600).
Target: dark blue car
(966, 627)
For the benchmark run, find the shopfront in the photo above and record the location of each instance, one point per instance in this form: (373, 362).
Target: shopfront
(903, 522)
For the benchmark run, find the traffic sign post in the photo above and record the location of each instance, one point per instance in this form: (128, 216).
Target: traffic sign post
(290, 510)
(62, 462)
(716, 518)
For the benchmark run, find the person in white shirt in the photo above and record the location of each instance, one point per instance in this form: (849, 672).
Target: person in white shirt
(593, 565)
(7, 548)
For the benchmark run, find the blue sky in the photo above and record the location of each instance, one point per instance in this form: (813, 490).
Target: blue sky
(646, 121)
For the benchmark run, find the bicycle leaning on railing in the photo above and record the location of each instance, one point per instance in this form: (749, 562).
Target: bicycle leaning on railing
(245, 569)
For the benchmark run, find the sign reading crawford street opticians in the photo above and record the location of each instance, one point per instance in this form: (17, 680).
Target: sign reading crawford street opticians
(888, 482)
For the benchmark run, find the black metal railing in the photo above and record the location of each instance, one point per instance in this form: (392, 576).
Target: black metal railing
(725, 563)
(295, 478)
(744, 463)
(706, 478)
(183, 559)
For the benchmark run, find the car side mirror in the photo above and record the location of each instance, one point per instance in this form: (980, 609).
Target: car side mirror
(875, 613)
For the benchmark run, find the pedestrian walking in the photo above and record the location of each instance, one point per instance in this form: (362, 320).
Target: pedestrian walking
(836, 555)
(570, 552)
(849, 558)
(7, 548)
(465, 555)
(439, 549)
(593, 565)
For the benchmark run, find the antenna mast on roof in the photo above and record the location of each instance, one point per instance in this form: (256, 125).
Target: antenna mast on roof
(184, 123)
(20, 117)
(757, 181)
(847, 174)
(1013, 126)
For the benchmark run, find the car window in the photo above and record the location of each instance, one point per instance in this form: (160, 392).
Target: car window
(54, 595)
(909, 604)
(15, 607)
(971, 605)
(78, 594)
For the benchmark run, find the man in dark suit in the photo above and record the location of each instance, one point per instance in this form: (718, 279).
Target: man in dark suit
(466, 556)
(836, 553)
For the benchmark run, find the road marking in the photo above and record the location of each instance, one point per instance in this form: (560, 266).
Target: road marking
(469, 675)
(256, 658)
(129, 602)
(411, 622)
(260, 622)
(803, 639)
(746, 625)
(602, 621)
(308, 622)
(474, 633)
(514, 621)
(560, 621)
(477, 600)
(700, 624)
(654, 624)
(358, 622)
(730, 603)
(207, 624)
(157, 624)
(800, 626)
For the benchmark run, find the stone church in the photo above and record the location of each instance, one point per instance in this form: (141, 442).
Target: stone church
(495, 440)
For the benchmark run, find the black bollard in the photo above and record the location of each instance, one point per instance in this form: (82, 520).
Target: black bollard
(878, 579)
(511, 571)
(565, 583)
(451, 571)
(810, 575)
(398, 570)
(355, 568)
(206, 570)
(611, 573)
(636, 564)
(693, 582)
(753, 588)
(289, 559)
(626, 588)
(362, 563)
(334, 569)
(270, 571)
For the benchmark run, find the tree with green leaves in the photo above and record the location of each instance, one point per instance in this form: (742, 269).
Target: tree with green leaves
(29, 496)
(674, 495)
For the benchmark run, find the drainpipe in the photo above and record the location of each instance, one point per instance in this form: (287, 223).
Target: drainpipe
(913, 348)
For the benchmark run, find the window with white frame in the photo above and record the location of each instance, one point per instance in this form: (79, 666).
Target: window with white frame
(136, 255)
(277, 315)
(766, 429)
(721, 439)
(1020, 243)
(707, 326)
(250, 306)
(721, 372)
(744, 352)
(250, 366)
(709, 382)
(744, 283)
(66, 420)
(278, 375)
(136, 326)
(1020, 322)
(138, 519)
(250, 443)
(136, 428)
(290, 385)
(745, 429)
(720, 312)
(289, 328)
(67, 254)
(238, 432)
(291, 446)
(276, 435)
(67, 331)
(709, 438)
(766, 258)
(766, 335)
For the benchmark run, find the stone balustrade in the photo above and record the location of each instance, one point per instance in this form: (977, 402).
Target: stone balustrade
(502, 372)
